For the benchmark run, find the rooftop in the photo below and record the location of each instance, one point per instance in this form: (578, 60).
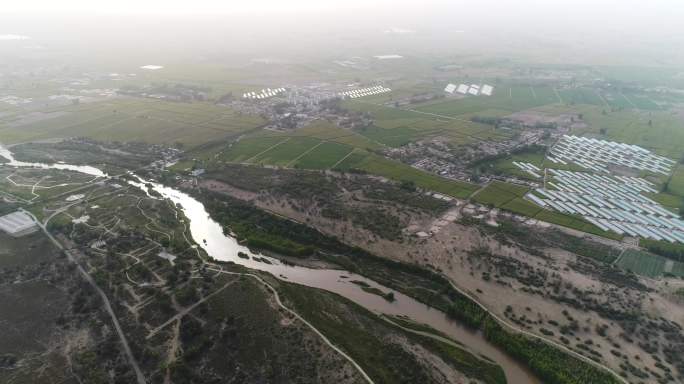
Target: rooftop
(17, 223)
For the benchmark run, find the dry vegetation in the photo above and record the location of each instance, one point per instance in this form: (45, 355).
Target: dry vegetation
(544, 281)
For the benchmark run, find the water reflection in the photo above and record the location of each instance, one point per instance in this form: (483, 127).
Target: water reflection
(211, 237)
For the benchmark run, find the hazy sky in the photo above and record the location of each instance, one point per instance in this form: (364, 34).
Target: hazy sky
(181, 6)
(646, 8)
(562, 29)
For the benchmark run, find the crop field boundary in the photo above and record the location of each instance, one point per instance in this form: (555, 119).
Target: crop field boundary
(343, 159)
(248, 161)
(305, 153)
(560, 99)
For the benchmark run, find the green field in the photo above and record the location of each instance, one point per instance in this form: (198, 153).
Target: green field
(510, 98)
(325, 131)
(506, 166)
(644, 102)
(324, 156)
(649, 264)
(286, 152)
(394, 137)
(581, 96)
(669, 200)
(646, 75)
(395, 170)
(292, 151)
(245, 149)
(498, 193)
(450, 117)
(396, 126)
(144, 120)
(618, 100)
(323, 146)
(521, 206)
(352, 161)
(536, 157)
(664, 135)
(676, 184)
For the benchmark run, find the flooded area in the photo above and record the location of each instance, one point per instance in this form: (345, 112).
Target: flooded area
(211, 236)
(7, 154)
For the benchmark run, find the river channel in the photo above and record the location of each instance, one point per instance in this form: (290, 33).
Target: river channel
(211, 237)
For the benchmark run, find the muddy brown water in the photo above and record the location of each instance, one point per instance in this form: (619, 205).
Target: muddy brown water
(211, 237)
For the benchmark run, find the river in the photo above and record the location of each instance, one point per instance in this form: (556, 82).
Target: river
(211, 237)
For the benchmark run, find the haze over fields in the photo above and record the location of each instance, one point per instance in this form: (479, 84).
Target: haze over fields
(359, 191)
(585, 32)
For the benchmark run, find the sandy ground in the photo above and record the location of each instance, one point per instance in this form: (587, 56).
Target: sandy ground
(448, 251)
(441, 372)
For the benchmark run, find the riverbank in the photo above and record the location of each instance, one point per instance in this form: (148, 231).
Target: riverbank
(221, 247)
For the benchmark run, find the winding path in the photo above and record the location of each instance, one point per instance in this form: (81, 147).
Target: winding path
(295, 314)
(218, 269)
(530, 334)
(140, 378)
(187, 310)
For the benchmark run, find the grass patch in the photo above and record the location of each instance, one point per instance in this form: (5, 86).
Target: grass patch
(642, 263)
(245, 149)
(667, 199)
(522, 206)
(394, 137)
(664, 248)
(286, 152)
(663, 135)
(144, 120)
(401, 172)
(676, 184)
(649, 264)
(324, 156)
(498, 193)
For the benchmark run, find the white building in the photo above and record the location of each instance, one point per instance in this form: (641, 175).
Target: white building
(462, 89)
(18, 224)
(487, 90)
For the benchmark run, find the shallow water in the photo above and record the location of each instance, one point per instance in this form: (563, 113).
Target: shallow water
(211, 237)
(6, 153)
